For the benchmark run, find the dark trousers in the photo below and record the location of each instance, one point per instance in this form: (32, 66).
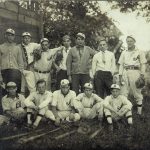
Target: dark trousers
(78, 80)
(12, 75)
(62, 74)
(103, 81)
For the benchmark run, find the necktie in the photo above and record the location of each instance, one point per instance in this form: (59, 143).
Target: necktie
(103, 57)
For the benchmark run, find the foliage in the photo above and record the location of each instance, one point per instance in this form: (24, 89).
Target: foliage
(71, 17)
(142, 8)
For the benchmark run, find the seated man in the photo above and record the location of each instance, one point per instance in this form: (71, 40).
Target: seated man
(117, 106)
(38, 103)
(62, 103)
(88, 104)
(13, 104)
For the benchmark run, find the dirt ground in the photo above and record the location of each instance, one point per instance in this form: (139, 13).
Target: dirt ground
(139, 139)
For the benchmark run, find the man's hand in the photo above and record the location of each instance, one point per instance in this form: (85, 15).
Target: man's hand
(1, 79)
(70, 79)
(57, 121)
(58, 69)
(36, 108)
(121, 80)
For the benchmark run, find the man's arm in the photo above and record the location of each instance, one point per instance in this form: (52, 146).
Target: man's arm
(20, 59)
(1, 79)
(94, 63)
(69, 64)
(46, 101)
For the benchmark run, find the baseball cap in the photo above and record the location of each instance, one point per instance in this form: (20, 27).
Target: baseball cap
(44, 39)
(81, 35)
(115, 86)
(131, 36)
(26, 34)
(88, 86)
(10, 31)
(11, 84)
(64, 82)
(66, 37)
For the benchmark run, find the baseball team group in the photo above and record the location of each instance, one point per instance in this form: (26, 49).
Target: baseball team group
(89, 83)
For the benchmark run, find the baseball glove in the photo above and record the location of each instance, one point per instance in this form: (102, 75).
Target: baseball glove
(37, 54)
(140, 83)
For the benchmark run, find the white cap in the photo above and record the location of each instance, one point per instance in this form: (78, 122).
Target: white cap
(10, 31)
(81, 35)
(115, 86)
(88, 86)
(64, 82)
(11, 84)
(131, 36)
(44, 39)
(26, 34)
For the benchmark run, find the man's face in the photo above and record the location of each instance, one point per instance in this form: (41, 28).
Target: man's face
(88, 92)
(65, 89)
(130, 42)
(10, 37)
(11, 91)
(115, 93)
(80, 41)
(41, 87)
(103, 45)
(26, 40)
(66, 43)
(45, 45)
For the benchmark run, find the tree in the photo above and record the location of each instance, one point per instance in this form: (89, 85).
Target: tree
(71, 17)
(142, 8)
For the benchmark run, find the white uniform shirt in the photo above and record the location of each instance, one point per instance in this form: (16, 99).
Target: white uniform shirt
(63, 103)
(131, 58)
(30, 48)
(13, 104)
(98, 64)
(63, 62)
(88, 102)
(118, 103)
(45, 62)
(39, 100)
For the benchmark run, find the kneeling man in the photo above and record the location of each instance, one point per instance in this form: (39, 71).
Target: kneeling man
(13, 104)
(38, 103)
(117, 106)
(88, 104)
(62, 103)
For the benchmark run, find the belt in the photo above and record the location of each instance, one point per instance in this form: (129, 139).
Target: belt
(41, 71)
(132, 68)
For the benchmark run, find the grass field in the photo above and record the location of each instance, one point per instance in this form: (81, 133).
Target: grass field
(140, 139)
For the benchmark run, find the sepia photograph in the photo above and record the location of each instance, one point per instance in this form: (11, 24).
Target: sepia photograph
(74, 74)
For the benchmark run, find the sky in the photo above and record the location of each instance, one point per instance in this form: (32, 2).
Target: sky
(129, 24)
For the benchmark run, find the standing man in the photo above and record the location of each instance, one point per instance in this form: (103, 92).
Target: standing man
(42, 66)
(79, 63)
(11, 62)
(27, 52)
(132, 66)
(38, 104)
(60, 61)
(63, 103)
(103, 68)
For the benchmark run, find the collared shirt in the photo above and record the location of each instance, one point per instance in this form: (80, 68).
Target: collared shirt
(10, 56)
(88, 102)
(79, 60)
(117, 103)
(131, 58)
(63, 62)
(46, 60)
(40, 100)
(28, 52)
(13, 104)
(63, 103)
(99, 64)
